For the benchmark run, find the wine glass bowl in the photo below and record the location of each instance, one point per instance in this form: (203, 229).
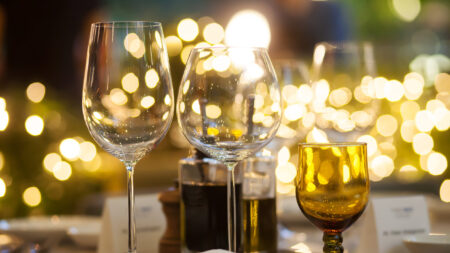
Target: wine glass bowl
(332, 187)
(127, 94)
(229, 101)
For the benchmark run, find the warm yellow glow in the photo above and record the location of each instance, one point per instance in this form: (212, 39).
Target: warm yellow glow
(118, 97)
(221, 63)
(408, 168)
(165, 116)
(436, 163)
(88, 151)
(2, 188)
(284, 155)
(382, 166)
(167, 100)
(309, 120)
(32, 196)
(36, 92)
(2, 160)
(379, 84)
(386, 125)
(317, 135)
(4, 120)
(304, 94)
(442, 82)
(130, 82)
(444, 191)
(362, 118)
(212, 131)
(294, 112)
(213, 33)
(34, 125)
(147, 102)
(408, 130)
(248, 28)
(62, 171)
(346, 173)
(186, 87)
(2, 104)
(50, 160)
(70, 149)
(340, 97)
(409, 109)
(321, 90)
(371, 144)
(422, 143)
(213, 111)
(196, 106)
(424, 121)
(413, 85)
(134, 45)
(187, 29)
(93, 165)
(319, 54)
(174, 45)
(286, 172)
(289, 93)
(151, 78)
(406, 10)
(394, 91)
(185, 53)
(442, 119)
(301, 247)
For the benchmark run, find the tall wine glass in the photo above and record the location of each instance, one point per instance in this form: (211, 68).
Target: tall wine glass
(332, 187)
(229, 107)
(127, 94)
(344, 89)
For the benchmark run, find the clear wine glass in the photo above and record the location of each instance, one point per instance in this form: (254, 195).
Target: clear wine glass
(127, 94)
(344, 88)
(229, 107)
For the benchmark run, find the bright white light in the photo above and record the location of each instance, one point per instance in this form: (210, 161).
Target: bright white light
(213, 33)
(87, 151)
(70, 149)
(34, 125)
(187, 29)
(248, 28)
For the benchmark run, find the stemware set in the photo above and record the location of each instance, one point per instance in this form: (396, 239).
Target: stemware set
(228, 111)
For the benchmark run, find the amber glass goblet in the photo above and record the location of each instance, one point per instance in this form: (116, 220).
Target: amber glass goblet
(332, 187)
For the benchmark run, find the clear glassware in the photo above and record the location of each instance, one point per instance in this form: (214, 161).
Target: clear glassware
(344, 90)
(229, 107)
(332, 187)
(127, 94)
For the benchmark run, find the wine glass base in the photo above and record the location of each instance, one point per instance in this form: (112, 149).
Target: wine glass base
(332, 243)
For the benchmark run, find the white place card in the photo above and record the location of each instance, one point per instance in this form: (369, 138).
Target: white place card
(150, 224)
(389, 220)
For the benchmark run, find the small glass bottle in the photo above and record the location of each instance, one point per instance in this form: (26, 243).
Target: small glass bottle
(259, 204)
(203, 188)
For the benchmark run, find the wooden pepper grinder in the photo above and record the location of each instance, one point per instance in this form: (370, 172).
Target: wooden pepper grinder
(170, 241)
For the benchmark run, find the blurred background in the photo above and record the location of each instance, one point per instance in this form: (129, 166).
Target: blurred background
(49, 164)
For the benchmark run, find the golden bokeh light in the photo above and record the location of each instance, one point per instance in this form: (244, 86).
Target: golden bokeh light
(386, 125)
(286, 172)
(196, 106)
(147, 102)
(32, 196)
(88, 151)
(317, 135)
(70, 149)
(413, 85)
(379, 84)
(130, 82)
(50, 160)
(187, 29)
(34, 125)
(62, 171)
(118, 97)
(134, 45)
(444, 191)
(406, 10)
(436, 163)
(394, 91)
(4, 120)
(424, 121)
(174, 45)
(213, 33)
(2, 160)
(2, 104)
(305, 94)
(372, 145)
(382, 166)
(340, 97)
(442, 83)
(284, 155)
(213, 111)
(151, 78)
(221, 63)
(408, 130)
(2, 188)
(294, 112)
(35, 92)
(409, 109)
(422, 143)
(185, 53)
(248, 28)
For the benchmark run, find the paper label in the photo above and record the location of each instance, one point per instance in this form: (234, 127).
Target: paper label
(150, 224)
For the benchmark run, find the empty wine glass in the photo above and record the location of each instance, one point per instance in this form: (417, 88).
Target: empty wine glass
(229, 107)
(127, 94)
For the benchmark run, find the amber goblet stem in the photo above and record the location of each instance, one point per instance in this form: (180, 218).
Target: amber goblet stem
(332, 242)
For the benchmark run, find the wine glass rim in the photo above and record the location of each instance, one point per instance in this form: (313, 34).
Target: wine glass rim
(332, 144)
(344, 43)
(122, 24)
(229, 47)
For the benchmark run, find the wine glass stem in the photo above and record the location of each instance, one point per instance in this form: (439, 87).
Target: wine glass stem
(131, 217)
(231, 206)
(332, 242)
